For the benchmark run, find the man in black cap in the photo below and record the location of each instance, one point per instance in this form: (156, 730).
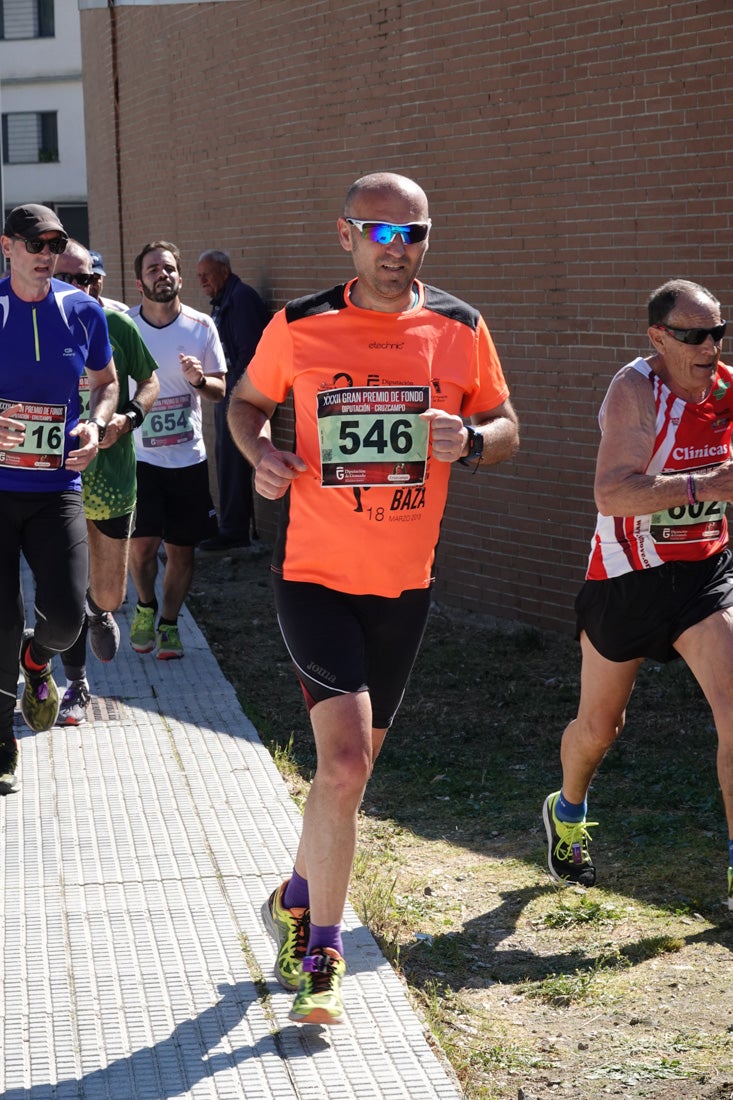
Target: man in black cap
(51, 334)
(95, 288)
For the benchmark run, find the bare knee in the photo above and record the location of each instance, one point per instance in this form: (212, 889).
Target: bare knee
(597, 730)
(108, 597)
(345, 774)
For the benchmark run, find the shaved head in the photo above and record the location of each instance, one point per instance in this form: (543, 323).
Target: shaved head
(383, 184)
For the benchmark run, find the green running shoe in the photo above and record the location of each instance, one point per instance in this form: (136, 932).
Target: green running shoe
(8, 763)
(567, 847)
(289, 929)
(318, 1000)
(169, 643)
(39, 703)
(730, 887)
(142, 629)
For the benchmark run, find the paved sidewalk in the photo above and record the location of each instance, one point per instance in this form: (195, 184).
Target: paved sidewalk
(135, 857)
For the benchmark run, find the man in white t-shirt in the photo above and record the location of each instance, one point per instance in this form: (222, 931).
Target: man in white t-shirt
(174, 504)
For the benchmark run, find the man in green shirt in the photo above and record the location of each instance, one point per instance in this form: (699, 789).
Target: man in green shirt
(109, 492)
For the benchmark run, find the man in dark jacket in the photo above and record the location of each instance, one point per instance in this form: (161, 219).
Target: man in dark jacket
(240, 316)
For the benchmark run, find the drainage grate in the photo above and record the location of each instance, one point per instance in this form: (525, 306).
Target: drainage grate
(103, 708)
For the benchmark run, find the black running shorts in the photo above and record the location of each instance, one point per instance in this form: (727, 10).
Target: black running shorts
(341, 643)
(174, 505)
(642, 614)
(118, 527)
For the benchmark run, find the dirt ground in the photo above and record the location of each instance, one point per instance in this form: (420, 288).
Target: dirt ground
(532, 991)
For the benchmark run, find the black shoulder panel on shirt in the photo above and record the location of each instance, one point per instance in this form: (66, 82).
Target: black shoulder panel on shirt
(439, 301)
(312, 304)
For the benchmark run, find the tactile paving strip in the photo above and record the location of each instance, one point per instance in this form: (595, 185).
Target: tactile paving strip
(135, 857)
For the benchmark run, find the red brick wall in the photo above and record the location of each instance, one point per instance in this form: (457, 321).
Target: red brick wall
(576, 155)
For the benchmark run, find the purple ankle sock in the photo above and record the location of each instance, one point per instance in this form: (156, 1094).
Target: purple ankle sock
(326, 935)
(296, 892)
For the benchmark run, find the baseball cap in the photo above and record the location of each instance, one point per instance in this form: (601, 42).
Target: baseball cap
(97, 264)
(32, 220)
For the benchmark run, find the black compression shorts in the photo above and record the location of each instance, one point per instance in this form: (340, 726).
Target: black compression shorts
(643, 613)
(341, 643)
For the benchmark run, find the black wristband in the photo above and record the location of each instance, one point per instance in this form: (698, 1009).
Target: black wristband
(137, 410)
(199, 385)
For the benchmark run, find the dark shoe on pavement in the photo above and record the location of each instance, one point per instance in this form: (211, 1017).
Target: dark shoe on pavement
(73, 709)
(8, 764)
(39, 703)
(104, 636)
(218, 543)
(568, 859)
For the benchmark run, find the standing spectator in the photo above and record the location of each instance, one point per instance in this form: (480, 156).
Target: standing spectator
(109, 489)
(659, 582)
(97, 283)
(173, 500)
(51, 334)
(240, 315)
(383, 371)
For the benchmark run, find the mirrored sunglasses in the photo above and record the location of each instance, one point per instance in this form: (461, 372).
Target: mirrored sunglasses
(385, 232)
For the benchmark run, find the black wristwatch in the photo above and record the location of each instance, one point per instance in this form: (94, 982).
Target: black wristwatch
(101, 427)
(475, 447)
(132, 419)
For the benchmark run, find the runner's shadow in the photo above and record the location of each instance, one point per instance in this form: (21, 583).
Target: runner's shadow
(484, 961)
(173, 1066)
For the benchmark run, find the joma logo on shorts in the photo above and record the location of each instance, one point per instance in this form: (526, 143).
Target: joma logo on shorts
(322, 672)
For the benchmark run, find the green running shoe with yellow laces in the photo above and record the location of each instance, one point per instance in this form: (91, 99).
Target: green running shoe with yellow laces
(318, 1000)
(289, 929)
(142, 629)
(170, 647)
(568, 859)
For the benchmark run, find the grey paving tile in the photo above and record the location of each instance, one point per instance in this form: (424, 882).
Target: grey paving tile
(134, 860)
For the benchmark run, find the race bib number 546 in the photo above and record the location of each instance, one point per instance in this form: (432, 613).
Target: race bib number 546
(371, 437)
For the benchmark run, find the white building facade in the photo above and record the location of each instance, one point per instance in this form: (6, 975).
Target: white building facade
(42, 107)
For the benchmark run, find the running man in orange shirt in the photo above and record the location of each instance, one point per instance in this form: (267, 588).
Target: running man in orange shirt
(393, 381)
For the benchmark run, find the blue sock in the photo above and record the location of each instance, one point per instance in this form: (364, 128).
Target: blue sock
(730, 853)
(296, 892)
(326, 935)
(570, 811)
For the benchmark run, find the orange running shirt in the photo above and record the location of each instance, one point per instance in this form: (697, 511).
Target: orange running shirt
(359, 378)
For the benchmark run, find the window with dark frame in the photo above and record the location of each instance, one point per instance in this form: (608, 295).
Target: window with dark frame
(27, 19)
(30, 137)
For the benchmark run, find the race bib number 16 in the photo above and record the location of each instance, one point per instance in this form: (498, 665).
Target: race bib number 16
(372, 437)
(43, 444)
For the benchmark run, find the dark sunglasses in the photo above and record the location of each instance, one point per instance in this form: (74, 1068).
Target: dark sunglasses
(385, 233)
(696, 335)
(82, 280)
(35, 245)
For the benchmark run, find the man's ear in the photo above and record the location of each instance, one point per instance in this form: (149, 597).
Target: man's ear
(344, 232)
